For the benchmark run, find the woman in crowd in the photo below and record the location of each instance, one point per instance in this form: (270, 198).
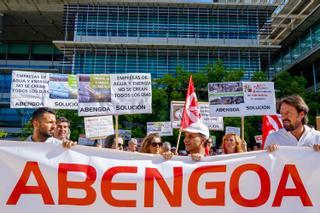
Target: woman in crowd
(232, 143)
(152, 144)
(111, 142)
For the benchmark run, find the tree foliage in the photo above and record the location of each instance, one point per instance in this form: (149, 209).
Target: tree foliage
(259, 76)
(286, 84)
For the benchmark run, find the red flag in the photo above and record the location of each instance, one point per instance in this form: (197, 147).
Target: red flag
(270, 123)
(191, 112)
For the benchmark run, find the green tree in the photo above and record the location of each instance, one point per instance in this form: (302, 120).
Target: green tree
(312, 99)
(216, 71)
(3, 133)
(233, 75)
(259, 76)
(286, 84)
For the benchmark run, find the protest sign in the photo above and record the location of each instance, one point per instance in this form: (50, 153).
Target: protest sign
(162, 128)
(258, 138)
(63, 92)
(131, 93)
(48, 178)
(103, 94)
(232, 130)
(237, 99)
(99, 126)
(125, 134)
(28, 89)
(213, 123)
(94, 95)
(82, 140)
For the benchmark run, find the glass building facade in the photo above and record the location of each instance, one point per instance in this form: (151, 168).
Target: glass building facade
(157, 38)
(297, 51)
(167, 22)
(24, 56)
(134, 36)
(159, 61)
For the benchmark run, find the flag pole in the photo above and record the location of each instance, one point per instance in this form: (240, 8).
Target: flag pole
(242, 128)
(244, 143)
(117, 132)
(178, 142)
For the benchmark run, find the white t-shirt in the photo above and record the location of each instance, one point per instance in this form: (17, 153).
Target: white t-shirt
(49, 140)
(282, 137)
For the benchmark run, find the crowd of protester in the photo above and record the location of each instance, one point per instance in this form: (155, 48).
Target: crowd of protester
(198, 143)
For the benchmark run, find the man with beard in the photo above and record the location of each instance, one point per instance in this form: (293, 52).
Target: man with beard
(44, 124)
(293, 112)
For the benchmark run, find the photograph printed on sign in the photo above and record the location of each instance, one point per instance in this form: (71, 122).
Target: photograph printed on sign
(94, 88)
(94, 95)
(62, 86)
(63, 91)
(226, 93)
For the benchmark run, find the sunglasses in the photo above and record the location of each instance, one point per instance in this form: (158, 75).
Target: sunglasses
(156, 144)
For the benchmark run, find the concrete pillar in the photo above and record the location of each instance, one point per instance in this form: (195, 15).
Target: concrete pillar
(314, 72)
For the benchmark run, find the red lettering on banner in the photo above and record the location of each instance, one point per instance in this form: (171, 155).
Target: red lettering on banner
(264, 185)
(107, 186)
(85, 185)
(174, 198)
(219, 200)
(172, 194)
(298, 191)
(21, 187)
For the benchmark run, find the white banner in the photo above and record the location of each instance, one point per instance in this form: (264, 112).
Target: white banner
(48, 178)
(103, 94)
(28, 89)
(63, 91)
(213, 123)
(99, 126)
(162, 128)
(236, 99)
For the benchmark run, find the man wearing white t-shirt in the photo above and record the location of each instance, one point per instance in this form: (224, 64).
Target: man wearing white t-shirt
(293, 112)
(44, 124)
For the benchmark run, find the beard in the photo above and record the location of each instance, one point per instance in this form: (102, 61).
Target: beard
(290, 127)
(46, 134)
